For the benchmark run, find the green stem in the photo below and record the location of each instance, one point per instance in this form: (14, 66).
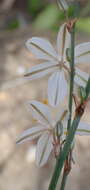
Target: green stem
(69, 139)
(64, 180)
(87, 89)
(72, 73)
(64, 153)
(67, 146)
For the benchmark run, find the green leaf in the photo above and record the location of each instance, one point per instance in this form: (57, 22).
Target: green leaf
(47, 18)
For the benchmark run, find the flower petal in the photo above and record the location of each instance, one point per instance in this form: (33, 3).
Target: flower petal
(82, 50)
(44, 148)
(63, 41)
(30, 134)
(41, 48)
(62, 115)
(81, 77)
(83, 129)
(41, 70)
(83, 59)
(57, 88)
(82, 53)
(40, 111)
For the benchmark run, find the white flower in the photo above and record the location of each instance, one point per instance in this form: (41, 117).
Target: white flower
(46, 130)
(56, 62)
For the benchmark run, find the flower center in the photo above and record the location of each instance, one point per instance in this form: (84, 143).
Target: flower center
(61, 64)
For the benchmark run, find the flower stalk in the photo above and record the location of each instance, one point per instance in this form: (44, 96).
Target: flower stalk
(64, 180)
(72, 74)
(64, 153)
(66, 170)
(62, 156)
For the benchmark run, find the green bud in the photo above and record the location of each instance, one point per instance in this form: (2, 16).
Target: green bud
(68, 54)
(63, 4)
(73, 10)
(59, 129)
(82, 93)
(87, 89)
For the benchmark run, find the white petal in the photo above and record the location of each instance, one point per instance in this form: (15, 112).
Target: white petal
(62, 116)
(40, 111)
(63, 41)
(31, 134)
(44, 148)
(57, 88)
(81, 77)
(83, 129)
(83, 59)
(41, 48)
(41, 70)
(82, 49)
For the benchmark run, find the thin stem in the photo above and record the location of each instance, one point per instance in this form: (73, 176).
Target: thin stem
(64, 180)
(72, 73)
(64, 153)
(70, 136)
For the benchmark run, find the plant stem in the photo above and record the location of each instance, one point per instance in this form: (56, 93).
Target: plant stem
(64, 180)
(71, 129)
(72, 73)
(62, 156)
(64, 153)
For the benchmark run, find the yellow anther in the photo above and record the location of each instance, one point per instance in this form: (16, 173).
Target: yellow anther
(34, 120)
(65, 132)
(45, 101)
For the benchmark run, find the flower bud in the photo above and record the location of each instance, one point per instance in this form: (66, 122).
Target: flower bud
(63, 4)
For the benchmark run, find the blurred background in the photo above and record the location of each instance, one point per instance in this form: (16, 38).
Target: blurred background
(19, 20)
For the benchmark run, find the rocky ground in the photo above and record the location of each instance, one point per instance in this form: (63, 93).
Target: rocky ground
(17, 164)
